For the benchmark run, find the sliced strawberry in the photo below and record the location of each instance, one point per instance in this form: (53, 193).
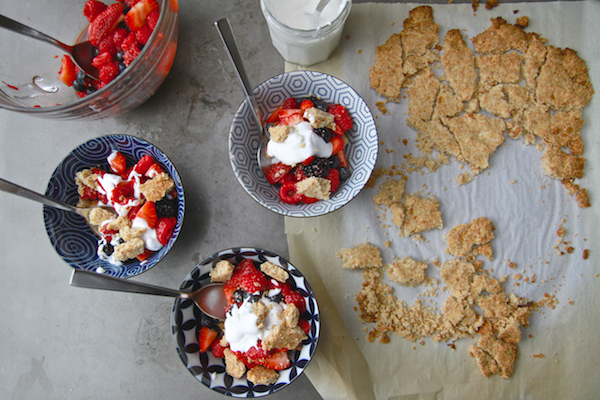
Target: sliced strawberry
(143, 34)
(248, 278)
(122, 192)
(341, 117)
(277, 361)
(136, 16)
(334, 178)
(143, 164)
(304, 325)
(144, 256)
(293, 297)
(152, 19)
(154, 170)
(274, 117)
(336, 130)
(306, 104)
(277, 172)
(288, 193)
(148, 212)
(257, 353)
(117, 163)
(133, 212)
(286, 113)
(289, 177)
(88, 194)
(164, 229)
(105, 22)
(206, 337)
(217, 349)
(67, 72)
(338, 144)
(343, 160)
(289, 103)
(243, 358)
(308, 200)
(92, 9)
(229, 289)
(309, 160)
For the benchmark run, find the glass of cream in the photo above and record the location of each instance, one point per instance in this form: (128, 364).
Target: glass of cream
(301, 33)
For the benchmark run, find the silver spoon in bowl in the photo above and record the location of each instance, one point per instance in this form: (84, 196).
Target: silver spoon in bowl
(209, 298)
(226, 34)
(82, 53)
(13, 188)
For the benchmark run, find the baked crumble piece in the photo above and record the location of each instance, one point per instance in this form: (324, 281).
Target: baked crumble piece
(319, 118)
(233, 365)
(128, 250)
(157, 187)
(274, 271)
(222, 271)
(260, 375)
(98, 215)
(361, 256)
(317, 188)
(284, 337)
(464, 240)
(279, 132)
(407, 271)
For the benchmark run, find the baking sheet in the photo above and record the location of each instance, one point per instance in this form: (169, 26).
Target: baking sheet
(526, 206)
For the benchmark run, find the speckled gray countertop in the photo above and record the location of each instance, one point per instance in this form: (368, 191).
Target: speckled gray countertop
(60, 342)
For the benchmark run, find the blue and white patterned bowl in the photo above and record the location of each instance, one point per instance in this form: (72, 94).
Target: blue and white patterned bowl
(69, 234)
(244, 140)
(187, 320)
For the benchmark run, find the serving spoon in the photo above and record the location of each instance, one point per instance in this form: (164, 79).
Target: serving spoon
(13, 188)
(82, 53)
(209, 298)
(224, 28)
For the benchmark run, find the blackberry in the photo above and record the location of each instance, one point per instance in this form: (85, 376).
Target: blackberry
(166, 207)
(344, 173)
(278, 298)
(319, 168)
(318, 103)
(325, 133)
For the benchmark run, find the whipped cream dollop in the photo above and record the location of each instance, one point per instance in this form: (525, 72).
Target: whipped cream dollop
(301, 143)
(241, 324)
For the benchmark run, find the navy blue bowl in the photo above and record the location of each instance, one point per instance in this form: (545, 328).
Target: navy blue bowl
(69, 234)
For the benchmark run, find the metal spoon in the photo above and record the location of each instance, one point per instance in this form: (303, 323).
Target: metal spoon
(226, 34)
(13, 188)
(82, 53)
(210, 298)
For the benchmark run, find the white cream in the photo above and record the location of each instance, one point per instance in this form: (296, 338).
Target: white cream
(301, 143)
(241, 330)
(149, 236)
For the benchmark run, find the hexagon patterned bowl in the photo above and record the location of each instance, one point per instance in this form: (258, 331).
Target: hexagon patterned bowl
(244, 139)
(69, 234)
(187, 320)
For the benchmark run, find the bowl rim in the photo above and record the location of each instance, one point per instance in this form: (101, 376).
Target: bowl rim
(199, 277)
(297, 210)
(114, 141)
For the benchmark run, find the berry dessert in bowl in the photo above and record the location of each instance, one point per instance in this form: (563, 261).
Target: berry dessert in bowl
(134, 45)
(322, 144)
(270, 331)
(146, 206)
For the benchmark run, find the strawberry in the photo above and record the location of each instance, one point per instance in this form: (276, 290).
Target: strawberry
(122, 192)
(88, 193)
(288, 193)
(217, 349)
(257, 353)
(247, 277)
(92, 9)
(243, 358)
(341, 117)
(277, 172)
(154, 170)
(306, 104)
(117, 163)
(136, 16)
(144, 256)
(309, 160)
(133, 212)
(334, 178)
(277, 361)
(293, 297)
(338, 144)
(289, 103)
(164, 229)
(152, 19)
(229, 289)
(274, 117)
(293, 119)
(342, 157)
(105, 22)
(143, 164)
(108, 72)
(308, 200)
(205, 338)
(288, 112)
(129, 3)
(148, 212)
(67, 72)
(304, 325)
(289, 177)
(143, 34)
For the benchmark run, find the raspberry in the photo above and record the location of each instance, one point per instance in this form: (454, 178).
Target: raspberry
(290, 103)
(341, 117)
(277, 172)
(129, 42)
(92, 9)
(152, 19)
(295, 298)
(102, 60)
(143, 34)
(288, 193)
(299, 174)
(304, 325)
(119, 36)
(257, 353)
(131, 55)
(107, 45)
(108, 72)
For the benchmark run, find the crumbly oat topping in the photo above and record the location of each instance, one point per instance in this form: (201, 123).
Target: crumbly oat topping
(317, 188)
(233, 365)
(129, 249)
(274, 271)
(157, 187)
(469, 240)
(360, 256)
(98, 215)
(222, 271)
(319, 118)
(260, 375)
(284, 337)
(407, 271)
(279, 132)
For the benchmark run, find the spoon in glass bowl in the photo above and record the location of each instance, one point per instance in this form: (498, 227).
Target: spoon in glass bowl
(228, 39)
(82, 53)
(209, 298)
(13, 188)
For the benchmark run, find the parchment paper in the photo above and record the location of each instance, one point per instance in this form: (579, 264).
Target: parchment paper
(526, 206)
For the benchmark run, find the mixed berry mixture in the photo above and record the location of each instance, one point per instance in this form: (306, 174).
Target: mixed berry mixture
(307, 141)
(263, 321)
(119, 31)
(144, 200)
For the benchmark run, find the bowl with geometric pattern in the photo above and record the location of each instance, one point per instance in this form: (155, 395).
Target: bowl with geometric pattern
(187, 321)
(244, 140)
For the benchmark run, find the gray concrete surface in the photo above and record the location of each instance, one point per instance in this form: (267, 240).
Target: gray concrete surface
(59, 342)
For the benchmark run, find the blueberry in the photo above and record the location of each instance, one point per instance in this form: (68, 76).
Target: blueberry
(334, 162)
(318, 103)
(79, 85)
(344, 173)
(278, 298)
(120, 55)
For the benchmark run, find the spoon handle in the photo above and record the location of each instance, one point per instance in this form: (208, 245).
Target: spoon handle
(19, 28)
(93, 280)
(226, 34)
(13, 188)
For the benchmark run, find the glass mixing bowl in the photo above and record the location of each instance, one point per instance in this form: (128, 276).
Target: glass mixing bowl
(29, 68)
